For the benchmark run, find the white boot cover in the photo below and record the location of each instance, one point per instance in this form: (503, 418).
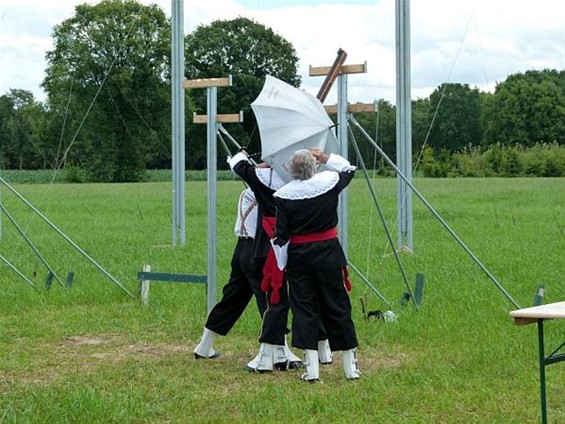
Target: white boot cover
(266, 352)
(290, 355)
(350, 365)
(324, 352)
(204, 349)
(311, 365)
(280, 362)
(254, 363)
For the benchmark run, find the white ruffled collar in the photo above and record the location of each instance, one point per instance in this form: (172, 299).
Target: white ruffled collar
(319, 184)
(269, 178)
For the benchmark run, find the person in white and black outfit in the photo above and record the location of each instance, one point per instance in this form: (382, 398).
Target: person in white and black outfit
(242, 283)
(306, 243)
(264, 181)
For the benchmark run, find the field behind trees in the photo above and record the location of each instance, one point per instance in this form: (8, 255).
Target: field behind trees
(93, 353)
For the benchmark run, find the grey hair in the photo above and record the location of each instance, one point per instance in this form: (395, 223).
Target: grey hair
(302, 165)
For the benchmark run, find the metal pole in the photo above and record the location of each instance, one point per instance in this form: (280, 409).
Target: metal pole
(211, 127)
(403, 122)
(364, 279)
(16, 270)
(177, 120)
(381, 216)
(30, 244)
(62, 234)
(343, 143)
(541, 345)
(435, 214)
(225, 132)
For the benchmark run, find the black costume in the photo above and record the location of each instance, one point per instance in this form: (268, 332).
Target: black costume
(315, 269)
(244, 279)
(264, 182)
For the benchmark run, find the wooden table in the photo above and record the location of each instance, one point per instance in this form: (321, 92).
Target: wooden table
(538, 314)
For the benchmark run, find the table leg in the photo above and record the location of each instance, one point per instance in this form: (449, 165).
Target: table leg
(542, 371)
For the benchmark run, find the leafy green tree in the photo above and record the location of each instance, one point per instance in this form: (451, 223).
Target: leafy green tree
(21, 120)
(527, 109)
(380, 125)
(6, 136)
(487, 106)
(454, 113)
(421, 122)
(246, 50)
(106, 83)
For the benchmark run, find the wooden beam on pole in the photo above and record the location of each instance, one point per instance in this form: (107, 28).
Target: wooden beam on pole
(207, 82)
(353, 108)
(316, 71)
(225, 118)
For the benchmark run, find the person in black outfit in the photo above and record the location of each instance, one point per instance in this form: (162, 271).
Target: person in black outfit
(243, 284)
(306, 243)
(239, 289)
(263, 181)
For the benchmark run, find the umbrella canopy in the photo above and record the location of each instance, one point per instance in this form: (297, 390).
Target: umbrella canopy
(290, 119)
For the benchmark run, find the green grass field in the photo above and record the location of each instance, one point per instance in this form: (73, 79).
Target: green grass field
(93, 354)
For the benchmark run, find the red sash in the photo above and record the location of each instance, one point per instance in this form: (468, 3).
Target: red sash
(312, 237)
(273, 277)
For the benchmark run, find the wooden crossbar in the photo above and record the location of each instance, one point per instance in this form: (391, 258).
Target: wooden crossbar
(353, 108)
(207, 82)
(316, 71)
(225, 118)
(175, 278)
(146, 276)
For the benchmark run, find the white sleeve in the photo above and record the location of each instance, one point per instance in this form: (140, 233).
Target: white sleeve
(235, 159)
(281, 253)
(339, 164)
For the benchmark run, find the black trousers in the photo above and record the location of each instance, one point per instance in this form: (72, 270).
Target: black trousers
(275, 319)
(320, 296)
(244, 283)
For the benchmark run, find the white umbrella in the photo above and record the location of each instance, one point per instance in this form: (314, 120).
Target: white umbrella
(290, 119)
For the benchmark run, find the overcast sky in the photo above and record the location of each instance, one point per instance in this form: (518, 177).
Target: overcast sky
(476, 42)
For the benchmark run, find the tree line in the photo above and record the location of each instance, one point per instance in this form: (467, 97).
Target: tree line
(107, 112)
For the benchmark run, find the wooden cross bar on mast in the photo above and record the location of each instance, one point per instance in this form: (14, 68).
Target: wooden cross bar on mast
(207, 83)
(353, 108)
(225, 118)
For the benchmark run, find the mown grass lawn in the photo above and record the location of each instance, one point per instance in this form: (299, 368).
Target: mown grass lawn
(94, 354)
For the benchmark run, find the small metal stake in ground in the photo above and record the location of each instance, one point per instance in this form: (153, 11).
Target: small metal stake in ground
(70, 279)
(418, 292)
(540, 292)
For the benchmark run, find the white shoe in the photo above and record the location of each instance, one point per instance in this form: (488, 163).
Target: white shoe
(311, 365)
(280, 361)
(254, 363)
(204, 350)
(266, 359)
(350, 365)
